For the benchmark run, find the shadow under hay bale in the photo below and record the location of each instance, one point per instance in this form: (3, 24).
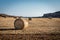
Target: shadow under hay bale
(19, 24)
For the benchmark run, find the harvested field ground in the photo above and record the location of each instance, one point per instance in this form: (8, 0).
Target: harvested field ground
(30, 37)
(38, 29)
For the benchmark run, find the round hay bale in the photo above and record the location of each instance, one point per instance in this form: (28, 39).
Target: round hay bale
(20, 24)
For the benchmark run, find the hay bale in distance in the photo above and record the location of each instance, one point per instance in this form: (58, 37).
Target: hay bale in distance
(30, 18)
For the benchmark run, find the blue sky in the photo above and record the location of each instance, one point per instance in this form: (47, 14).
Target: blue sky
(29, 7)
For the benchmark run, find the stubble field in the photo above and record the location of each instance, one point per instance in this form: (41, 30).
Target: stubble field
(38, 29)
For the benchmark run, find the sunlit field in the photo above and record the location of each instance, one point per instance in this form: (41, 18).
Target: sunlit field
(35, 25)
(38, 29)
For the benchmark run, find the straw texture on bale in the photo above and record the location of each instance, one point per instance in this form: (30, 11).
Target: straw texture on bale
(19, 24)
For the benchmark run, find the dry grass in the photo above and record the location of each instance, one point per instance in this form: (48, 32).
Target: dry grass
(45, 24)
(6, 22)
(38, 29)
(36, 25)
(30, 37)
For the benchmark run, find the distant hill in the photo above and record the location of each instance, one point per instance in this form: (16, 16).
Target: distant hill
(5, 15)
(54, 15)
(1, 14)
(49, 15)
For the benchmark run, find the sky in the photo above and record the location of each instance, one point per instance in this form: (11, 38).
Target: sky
(29, 8)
